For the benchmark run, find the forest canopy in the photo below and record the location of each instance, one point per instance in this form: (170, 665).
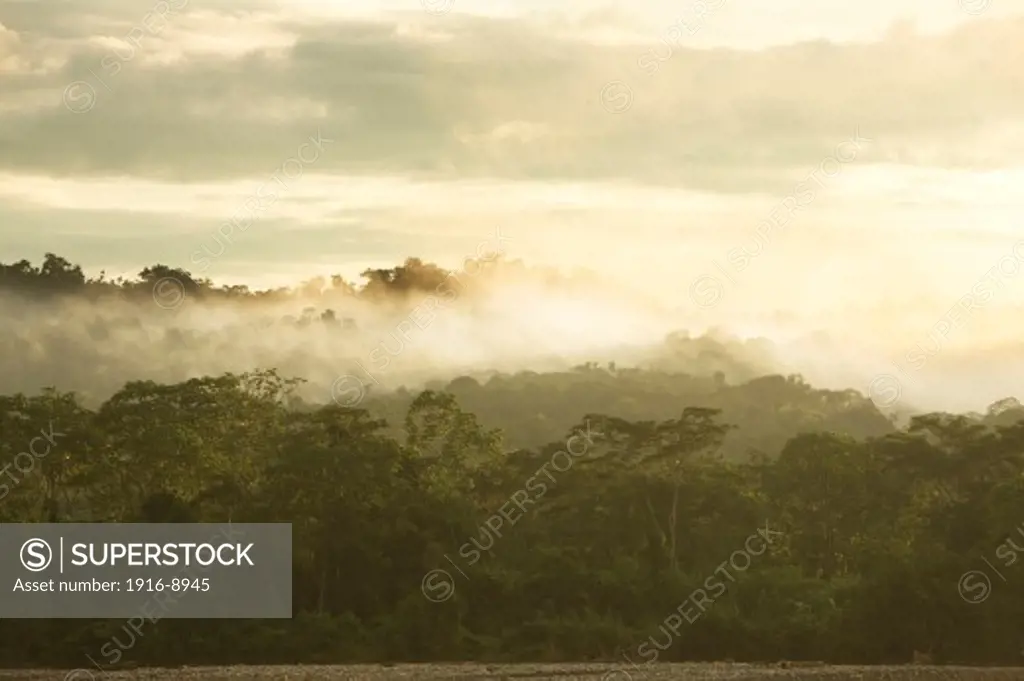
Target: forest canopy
(874, 520)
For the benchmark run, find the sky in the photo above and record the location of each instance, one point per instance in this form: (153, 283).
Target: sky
(777, 167)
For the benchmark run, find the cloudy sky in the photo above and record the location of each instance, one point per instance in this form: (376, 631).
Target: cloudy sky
(875, 145)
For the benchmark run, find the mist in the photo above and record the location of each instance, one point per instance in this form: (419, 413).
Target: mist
(416, 323)
(500, 321)
(824, 190)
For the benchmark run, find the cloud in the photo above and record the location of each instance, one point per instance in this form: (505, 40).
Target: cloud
(445, 125)
(213, 95)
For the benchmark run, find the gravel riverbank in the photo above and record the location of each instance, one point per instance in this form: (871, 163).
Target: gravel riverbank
(534, 672)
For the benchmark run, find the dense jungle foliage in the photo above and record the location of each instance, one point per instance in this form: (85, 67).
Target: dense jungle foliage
(875, 528)
(625, 492)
